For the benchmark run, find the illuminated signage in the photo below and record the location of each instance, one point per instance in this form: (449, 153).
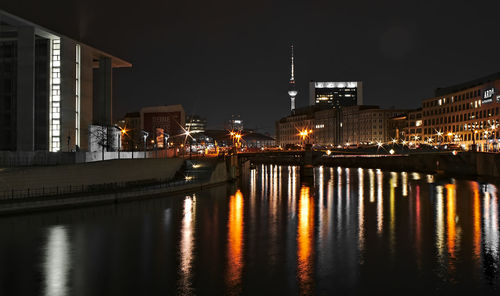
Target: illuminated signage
(488, 95)
(352, 84)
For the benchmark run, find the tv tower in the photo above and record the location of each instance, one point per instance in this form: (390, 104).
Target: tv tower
(291, 89)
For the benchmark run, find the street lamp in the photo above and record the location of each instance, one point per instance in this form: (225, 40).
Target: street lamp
(118, 138)
(473, 128)
(165, 138)
(449, 136)
(145, 135)
(493, 127)
(439, 134)
(303, 134)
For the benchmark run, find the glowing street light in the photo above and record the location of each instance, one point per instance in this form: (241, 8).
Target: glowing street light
(145, 135)
(304, 134)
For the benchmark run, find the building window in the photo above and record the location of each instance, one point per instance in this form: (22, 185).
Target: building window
(55, 96)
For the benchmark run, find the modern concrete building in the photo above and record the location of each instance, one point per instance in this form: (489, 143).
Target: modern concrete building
(336, 94)
(464, 114)
(52, 88)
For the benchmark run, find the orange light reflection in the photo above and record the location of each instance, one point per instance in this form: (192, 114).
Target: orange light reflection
(235, 240)
(305, 232)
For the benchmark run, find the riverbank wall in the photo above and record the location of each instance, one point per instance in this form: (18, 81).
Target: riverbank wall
(121, 170)
(83, 174)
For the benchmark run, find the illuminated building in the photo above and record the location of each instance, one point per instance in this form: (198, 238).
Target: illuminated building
(327, 127)
(132, 138)
(287, 128)
(235, 123)
(163, 119)
(367, 124)
(464, 114)
(336, 94)
(52, 88)
(195, 124)
(407, 126)
(292, 92)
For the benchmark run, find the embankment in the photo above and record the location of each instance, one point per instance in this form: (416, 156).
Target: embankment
(106, 172)
(464, 163)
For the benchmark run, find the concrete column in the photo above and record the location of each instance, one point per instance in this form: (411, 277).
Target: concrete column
(102, 104)
(68, 97)
(86, 97)
(26, 89)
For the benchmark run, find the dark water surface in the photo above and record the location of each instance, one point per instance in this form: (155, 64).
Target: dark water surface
(350, 231)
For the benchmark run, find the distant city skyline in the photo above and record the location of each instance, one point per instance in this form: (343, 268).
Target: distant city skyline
(233, 58)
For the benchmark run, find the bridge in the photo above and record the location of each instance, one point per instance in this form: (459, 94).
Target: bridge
(449, 162)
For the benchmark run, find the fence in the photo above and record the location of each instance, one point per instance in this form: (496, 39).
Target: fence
(59, 192)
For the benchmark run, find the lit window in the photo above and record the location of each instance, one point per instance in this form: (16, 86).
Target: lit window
(55, 97)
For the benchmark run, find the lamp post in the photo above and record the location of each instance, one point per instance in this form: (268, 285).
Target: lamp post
(118, 138)
(473, 128)
(450, 134)
(145, 135)
(494, 127)
(439, 134)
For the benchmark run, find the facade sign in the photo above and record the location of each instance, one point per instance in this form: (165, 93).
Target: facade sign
(488, 95)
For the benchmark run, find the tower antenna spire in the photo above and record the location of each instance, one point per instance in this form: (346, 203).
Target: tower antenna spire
(292, 92)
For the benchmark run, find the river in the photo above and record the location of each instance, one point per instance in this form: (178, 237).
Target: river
(346, 231)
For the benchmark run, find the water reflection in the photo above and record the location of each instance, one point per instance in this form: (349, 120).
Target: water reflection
(380, 204)
(491, 230)
(451, 220)
(404, 180)
(418, 226)
(439, 223)
(361, 210)
(305, 236)
(477, 221)
(350, 229)
(57, 262)
(187, 245)
(372, 185)
(392, 193)
(235, 242)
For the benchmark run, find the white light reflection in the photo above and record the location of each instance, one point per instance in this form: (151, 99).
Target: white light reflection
(380, 205)
(415, 176)
(439, 222)
(430, 179)
(372, 185)
(57, 261)
(490, 221)
(339, 198)
(253, 191)
(348, 195)
(404, 181)
(361, 210)
(323, 223)
(293, 195)
(263, 180)
(187, 244)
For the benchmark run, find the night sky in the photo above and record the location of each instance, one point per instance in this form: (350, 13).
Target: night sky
(218, 58)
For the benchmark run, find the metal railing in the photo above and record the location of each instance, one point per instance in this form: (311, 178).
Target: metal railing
(69, 191)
